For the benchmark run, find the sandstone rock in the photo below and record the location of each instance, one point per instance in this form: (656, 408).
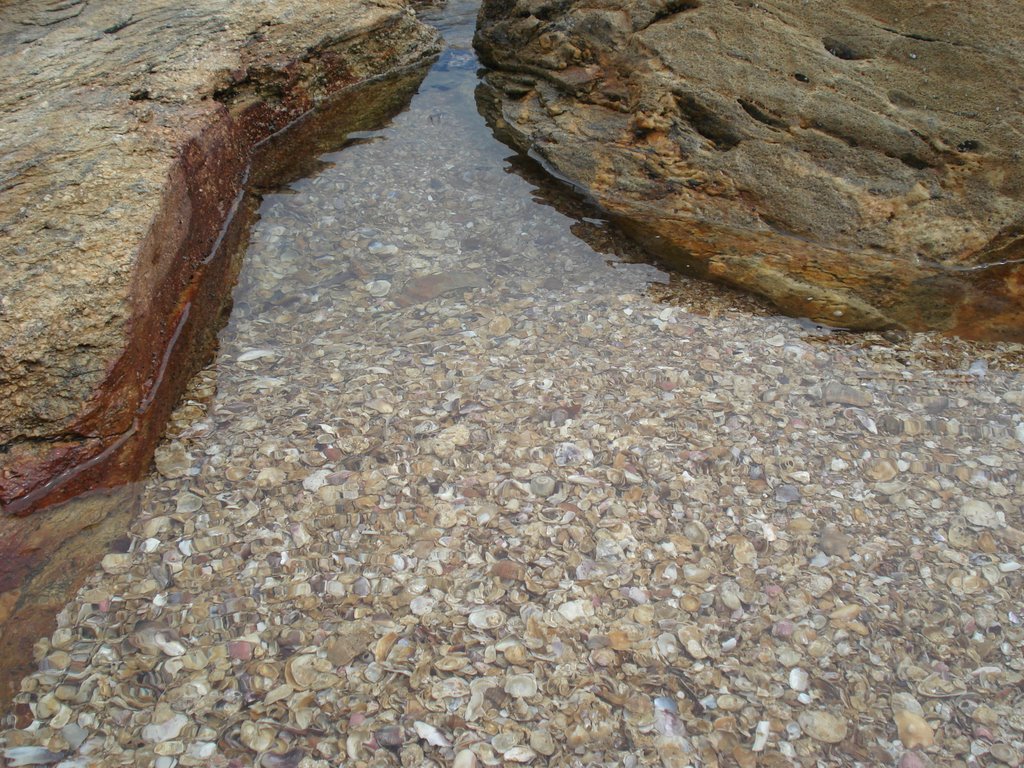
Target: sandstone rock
(127, 130)
(856, 162)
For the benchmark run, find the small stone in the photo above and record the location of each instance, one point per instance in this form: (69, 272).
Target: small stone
(787, 494)
(378, 288)
(913, 730)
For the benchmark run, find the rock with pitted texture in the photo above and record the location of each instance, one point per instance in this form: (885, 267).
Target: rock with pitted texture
(858, 162)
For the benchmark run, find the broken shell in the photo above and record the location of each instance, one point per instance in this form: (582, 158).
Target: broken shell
(431, 734)
(486, 618)
(521, 686)
(257, 736)
(306, 671)
(823, 726)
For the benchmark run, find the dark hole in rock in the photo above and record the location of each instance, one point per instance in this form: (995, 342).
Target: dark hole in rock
(672, 7)
(915, 162)
(707, 122)
(968, 145)
(801, 77)
(842, 50)
(759, 113)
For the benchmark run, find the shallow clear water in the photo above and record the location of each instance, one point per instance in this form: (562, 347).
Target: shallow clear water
(448, 443)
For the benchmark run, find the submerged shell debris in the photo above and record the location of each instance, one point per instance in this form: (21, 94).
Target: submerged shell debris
(537, 504)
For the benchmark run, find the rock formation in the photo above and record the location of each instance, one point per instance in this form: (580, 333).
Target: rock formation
(126, 134)
(127, 128)
(858, 162)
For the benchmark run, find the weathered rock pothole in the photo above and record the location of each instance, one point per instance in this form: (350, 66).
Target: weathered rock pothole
(460, 489)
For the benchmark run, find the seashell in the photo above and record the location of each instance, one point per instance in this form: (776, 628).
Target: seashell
(506, 740)
(451, 663)
(153, 639)
(936, 686)
(913, 729)
(464, 759)
(761, 734)
(692, 639)
(694, 574)
(431, 734)
(383, 646)
(521, 686)
(966, 583)
(798, 679)
(250, 355)
(305, 671)
(390, 736)
(167, 730)
(290, 759)
(981, 514)
(18, 756)
(486, 618)
(823, 726)
(541, 742)
(520, 754)
(574, 610)
(257, 736)
(478, 689)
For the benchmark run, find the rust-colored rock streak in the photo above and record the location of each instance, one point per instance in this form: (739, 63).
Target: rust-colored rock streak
(128, 129)
(858, 163)
(181, 272)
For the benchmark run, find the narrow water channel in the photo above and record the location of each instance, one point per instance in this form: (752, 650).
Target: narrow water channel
(468, 482)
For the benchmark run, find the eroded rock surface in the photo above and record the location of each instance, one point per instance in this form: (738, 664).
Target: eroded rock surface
(857, 162)
(126, 131)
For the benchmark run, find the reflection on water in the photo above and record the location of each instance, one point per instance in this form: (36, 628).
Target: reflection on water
(462, 479)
